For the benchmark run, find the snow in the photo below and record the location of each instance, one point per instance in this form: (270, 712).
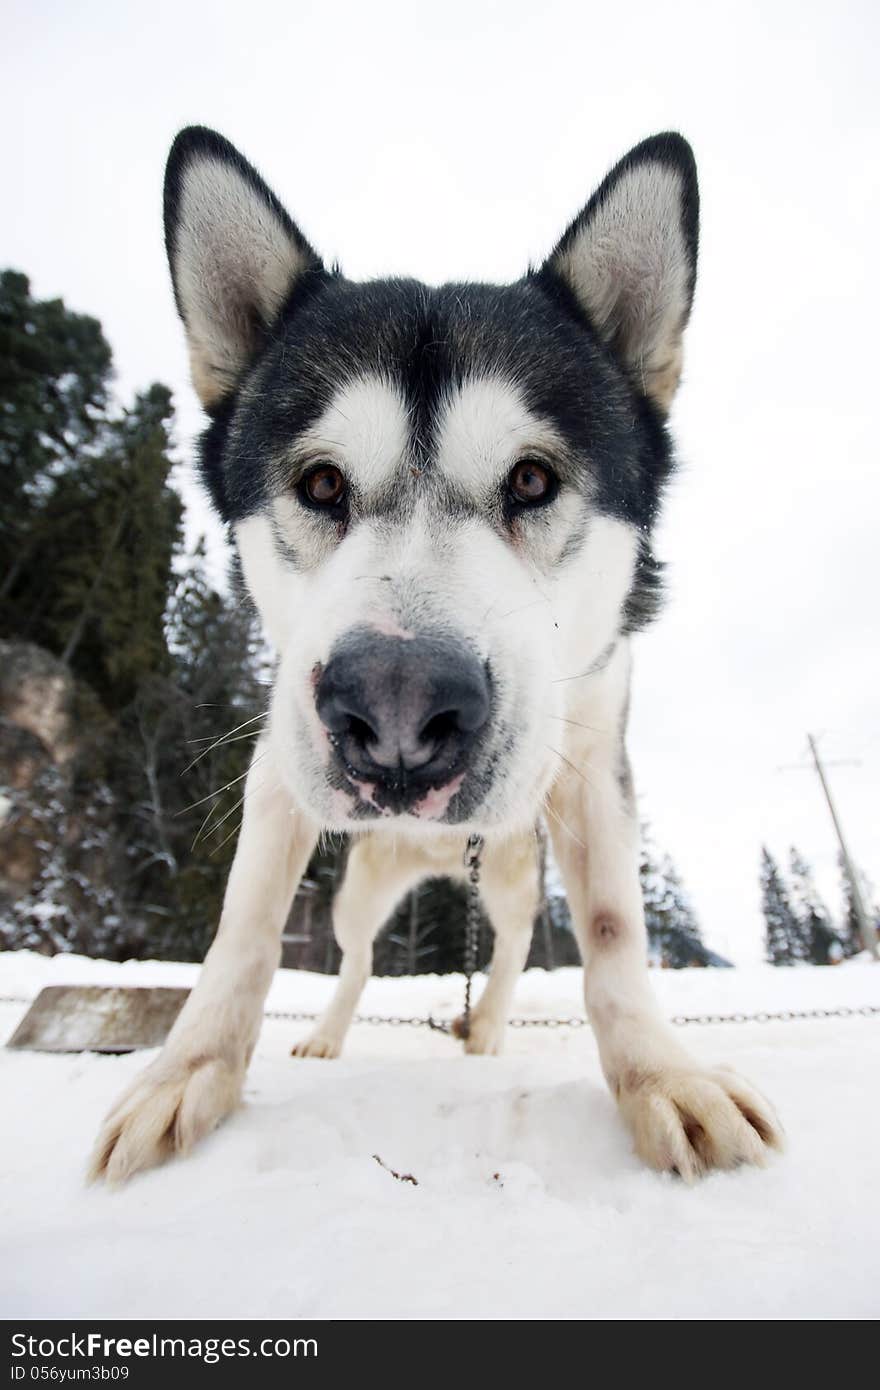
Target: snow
(528, 1203)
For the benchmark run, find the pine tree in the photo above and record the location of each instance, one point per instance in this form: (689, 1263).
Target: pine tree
(54, 372)
(427, 932)
(553, 939)
(171, 670)
(99, 547)
(115, 526)
(190, 733)
(783, 932)
(674, 937)
(817, 941)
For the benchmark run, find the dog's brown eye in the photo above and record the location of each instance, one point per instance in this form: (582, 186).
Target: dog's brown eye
(324, 486)
(531, 482)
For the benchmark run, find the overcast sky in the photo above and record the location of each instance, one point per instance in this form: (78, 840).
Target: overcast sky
(456, 140)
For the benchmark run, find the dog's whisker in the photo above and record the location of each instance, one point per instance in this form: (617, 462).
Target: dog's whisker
(551, 811)
(591, 728)
(225, 841)
(219, 791)
(222, 739)
(252, 733)
(559, 680)
(198, 834)
(210, 795)
(210, 812)
(234, 831)
(236, 828)
(531, 604)
(216, 826)
(573, 767)
(212, 830)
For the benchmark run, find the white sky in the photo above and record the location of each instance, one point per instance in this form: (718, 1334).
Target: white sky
(456, 140)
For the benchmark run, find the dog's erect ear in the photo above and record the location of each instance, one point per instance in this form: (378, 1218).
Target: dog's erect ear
(234, 253)
(630, 260)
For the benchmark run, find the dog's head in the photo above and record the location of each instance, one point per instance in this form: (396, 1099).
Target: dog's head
(442, 498)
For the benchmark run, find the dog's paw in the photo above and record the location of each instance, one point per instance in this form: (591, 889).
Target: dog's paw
(484, 1035)
(318, 1045)
(691, 1121)
(167, 1110)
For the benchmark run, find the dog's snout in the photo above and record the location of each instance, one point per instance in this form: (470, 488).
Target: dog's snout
(403, 711)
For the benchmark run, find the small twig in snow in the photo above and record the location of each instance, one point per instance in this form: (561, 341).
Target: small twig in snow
(401, 1177)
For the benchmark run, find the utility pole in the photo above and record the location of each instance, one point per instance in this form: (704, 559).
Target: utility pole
(867, 930)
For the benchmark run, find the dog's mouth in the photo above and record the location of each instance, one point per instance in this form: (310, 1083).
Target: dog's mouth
(359, 797)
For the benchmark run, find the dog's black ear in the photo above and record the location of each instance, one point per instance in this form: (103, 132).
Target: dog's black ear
(630, 260)
(234, 253)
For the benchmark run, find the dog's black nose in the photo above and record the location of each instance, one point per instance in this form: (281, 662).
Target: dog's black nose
(403, 712)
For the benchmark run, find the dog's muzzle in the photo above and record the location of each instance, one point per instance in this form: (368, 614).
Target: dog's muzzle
(402, 715)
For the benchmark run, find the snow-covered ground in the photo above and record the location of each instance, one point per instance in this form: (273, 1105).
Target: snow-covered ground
(528, 1203)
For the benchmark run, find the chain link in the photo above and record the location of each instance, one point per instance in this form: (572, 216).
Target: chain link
(472, 854)
(780, 1015)
(679, 1020)
(461, 1027)
(445, 1025)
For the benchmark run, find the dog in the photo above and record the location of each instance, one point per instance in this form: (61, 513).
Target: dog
(443, 502)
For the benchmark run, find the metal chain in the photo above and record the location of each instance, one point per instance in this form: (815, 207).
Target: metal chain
(461, 1027)
(445, 1026)
(472, 854)
(679, 1020)
(780, 1015)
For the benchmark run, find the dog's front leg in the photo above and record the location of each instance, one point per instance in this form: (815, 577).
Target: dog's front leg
(378, 873)
(197, 1078)
(683, 1117)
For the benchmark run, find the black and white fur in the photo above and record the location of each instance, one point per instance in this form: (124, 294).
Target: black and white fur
(430, 583)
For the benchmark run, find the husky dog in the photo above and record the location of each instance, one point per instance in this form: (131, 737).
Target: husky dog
(443, 502)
